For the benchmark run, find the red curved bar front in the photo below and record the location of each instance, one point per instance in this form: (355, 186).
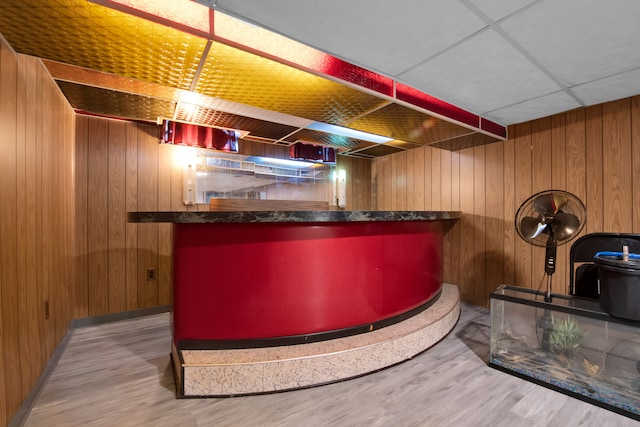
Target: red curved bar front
(266, 280)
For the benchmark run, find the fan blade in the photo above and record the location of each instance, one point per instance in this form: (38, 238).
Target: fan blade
(531, 227)
(549, 204)
(544, 205)
(564, 225)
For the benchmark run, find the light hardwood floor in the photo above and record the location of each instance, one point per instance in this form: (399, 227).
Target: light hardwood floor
(119, 374)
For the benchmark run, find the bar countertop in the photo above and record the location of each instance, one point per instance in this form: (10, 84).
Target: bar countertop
(200, 217)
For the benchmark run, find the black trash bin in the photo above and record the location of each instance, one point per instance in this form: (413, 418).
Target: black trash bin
(619, 286)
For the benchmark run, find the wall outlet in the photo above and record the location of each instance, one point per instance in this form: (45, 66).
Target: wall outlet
(151, 274)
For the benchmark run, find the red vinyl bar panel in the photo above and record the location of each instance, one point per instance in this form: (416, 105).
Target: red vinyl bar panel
(493, 127)
(420, 99)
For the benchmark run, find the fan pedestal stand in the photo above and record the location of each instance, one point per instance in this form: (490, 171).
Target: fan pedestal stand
(549, 268)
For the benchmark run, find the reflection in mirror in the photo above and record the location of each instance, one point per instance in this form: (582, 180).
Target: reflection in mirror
(236, 176)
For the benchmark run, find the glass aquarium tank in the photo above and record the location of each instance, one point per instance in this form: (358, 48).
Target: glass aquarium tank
(569, 345)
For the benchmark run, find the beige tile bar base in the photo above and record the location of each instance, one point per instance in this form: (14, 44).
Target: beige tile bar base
(211, 373)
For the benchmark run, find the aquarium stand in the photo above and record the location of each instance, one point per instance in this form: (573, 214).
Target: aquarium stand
(569, 345)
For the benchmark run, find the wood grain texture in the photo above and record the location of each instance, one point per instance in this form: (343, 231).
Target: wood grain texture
(523, 190)
(147, 201)
(36, 224)
(98, 219)
(479, 219)
(635, 161)
(494, 224)
(116, 216)
(10, 301)
(120, 374)
(594, 184)
(541, 173)
(436, 180)
(31, 292)
(131, 204)
(616, 129)
(592, 152)
(466, 251)
(165, 231)
(401, 180)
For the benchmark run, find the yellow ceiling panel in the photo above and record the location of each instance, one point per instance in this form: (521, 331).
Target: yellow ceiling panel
(85, 76)
(329, 139)
(209, 117)
(407, 124)
(116, 104)
(240, 76)
(93, 36)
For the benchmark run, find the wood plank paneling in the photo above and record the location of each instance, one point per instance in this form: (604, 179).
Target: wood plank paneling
(97, 219)
(594, 199)
(541, 171)
(131, 202)
(559, 130)
(36, 224)
(428, 183)
(523, 190)
(494, 224)
(165, 241)
(436, 180)
(81, 214)
(635, 159)
(591, 152)
(33, 303)
(466, 252)
(400, 161)
(8, 215)
(445, 180)
(479, 220)
(616, 130)
(510, 206)
(116, 216)
(147, 201)
(418, 178)
(21, 227)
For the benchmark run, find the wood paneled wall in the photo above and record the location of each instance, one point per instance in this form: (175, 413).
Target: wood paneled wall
(36, 224)
(121, 167)
(592, 152)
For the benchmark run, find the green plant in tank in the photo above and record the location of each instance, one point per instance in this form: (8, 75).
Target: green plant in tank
(566, 335)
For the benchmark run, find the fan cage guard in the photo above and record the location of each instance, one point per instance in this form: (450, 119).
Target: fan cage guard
(527, 209)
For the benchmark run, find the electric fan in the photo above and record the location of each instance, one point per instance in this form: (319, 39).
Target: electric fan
(548, 219)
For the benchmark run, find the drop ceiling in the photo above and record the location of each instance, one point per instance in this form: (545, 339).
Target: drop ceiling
(450, 74)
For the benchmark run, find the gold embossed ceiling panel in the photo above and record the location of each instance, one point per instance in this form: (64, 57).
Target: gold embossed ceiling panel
(240, 76)
(407, 124)
(119, 58)
(92, 36)
(329, 139)
(210, 117)
(116, 104)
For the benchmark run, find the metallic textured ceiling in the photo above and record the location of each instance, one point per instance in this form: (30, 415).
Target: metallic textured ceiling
(510, 61)
(180, 60)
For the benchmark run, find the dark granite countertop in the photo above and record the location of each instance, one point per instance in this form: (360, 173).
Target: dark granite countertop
(199, 217)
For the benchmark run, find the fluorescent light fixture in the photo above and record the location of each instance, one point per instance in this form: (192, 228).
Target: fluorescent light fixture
(349, 133)
(268, 161)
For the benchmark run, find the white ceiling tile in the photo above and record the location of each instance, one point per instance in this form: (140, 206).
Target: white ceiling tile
(611, 88)
(580, 40)
(482, 74)
(498, 9)
(387, 37)
(532, 109)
